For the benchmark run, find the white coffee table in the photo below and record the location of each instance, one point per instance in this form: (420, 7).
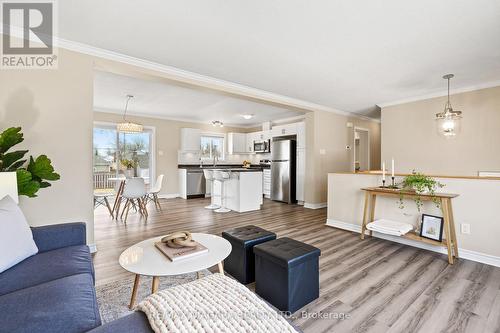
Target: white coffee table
(145, 259)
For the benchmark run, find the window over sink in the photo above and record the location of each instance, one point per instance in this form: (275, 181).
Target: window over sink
(212, 146)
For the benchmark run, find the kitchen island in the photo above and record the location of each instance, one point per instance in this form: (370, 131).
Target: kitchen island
(242, 191)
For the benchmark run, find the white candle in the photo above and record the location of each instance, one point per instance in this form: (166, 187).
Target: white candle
(383, 171)
(392, 167)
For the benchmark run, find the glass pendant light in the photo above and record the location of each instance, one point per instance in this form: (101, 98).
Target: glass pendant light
(449, 121)
(127, 126)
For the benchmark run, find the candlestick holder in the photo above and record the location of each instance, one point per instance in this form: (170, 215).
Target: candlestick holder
(383, 184)
(393, 183)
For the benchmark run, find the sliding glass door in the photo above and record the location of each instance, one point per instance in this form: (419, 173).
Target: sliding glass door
(121, 155)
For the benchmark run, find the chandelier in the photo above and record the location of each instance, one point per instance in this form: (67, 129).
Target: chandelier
(448, 121)
(127, 126)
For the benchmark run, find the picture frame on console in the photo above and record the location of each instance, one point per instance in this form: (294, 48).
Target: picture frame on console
(432, 227)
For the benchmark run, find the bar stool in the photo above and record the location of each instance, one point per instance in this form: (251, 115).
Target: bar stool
(222, 177)
(209, 176)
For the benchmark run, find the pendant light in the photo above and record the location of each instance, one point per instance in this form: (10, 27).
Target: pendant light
(449, 121)
(127, 126)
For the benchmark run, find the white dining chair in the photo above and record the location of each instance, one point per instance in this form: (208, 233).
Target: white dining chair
(153, 192)
(134, 192)
(101, 199)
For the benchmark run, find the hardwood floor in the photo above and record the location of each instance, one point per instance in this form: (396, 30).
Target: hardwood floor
(365, 286)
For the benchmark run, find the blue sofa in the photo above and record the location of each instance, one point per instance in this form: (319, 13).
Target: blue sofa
(53, 291)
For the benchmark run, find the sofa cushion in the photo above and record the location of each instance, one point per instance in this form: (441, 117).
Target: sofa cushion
(16, 239)
(136, 322)
(47, 266)
(64, 305)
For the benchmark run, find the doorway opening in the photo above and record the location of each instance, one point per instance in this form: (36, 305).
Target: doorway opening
(361, 149)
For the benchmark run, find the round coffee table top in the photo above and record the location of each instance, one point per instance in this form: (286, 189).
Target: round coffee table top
(144, 258)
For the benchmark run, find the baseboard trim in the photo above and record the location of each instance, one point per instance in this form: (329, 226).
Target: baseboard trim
(92, 248)
(169, 196)
(463, 253)
(315, 205)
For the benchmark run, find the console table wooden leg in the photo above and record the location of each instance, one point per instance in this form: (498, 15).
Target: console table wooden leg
(134, 291)
(365, 212)
(198, 275)
(449, 240)
(372, 210)
(452, 227)
(221, 268)
(156, 284)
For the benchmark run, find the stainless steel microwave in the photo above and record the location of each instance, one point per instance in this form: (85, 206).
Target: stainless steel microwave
(262, 146)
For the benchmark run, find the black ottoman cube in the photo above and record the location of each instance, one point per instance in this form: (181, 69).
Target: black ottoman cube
(241, 263)
(287, 273)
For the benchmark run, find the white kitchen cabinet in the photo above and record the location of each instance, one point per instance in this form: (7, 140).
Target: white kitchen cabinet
(282, 130)
(300, 174)
(251, 137)
(190, 140)
(262, 135)
(301, 135)
(266, 183)
(236, 143)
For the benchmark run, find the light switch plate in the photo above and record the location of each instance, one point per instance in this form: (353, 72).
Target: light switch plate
(322, 151)
(465, 228)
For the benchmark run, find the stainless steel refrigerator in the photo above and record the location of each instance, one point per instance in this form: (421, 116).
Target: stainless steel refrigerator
(283, 171)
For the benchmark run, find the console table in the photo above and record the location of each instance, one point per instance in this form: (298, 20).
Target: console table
(450, 240)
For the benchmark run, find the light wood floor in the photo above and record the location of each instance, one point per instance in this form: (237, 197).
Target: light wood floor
(377, 285)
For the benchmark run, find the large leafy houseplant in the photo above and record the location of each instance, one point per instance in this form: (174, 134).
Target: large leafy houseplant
(33, 173)
(420, 184)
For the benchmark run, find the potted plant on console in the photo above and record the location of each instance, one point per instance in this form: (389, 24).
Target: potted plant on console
(419, 184)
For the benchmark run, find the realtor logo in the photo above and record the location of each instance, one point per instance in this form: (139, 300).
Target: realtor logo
(28, 35)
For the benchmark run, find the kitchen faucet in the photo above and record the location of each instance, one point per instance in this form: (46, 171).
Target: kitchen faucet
(216, 159)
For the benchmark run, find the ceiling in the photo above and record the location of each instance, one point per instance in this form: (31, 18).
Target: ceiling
(348, 55)
(165, 99)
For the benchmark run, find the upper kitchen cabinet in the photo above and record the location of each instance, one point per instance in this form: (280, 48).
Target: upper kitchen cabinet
(190, 139)
(251, 137)
(298, 129)
(262, 135)
(283, 130)
(237, 143)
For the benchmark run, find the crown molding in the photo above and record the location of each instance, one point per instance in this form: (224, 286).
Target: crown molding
(289, 120)
(441, 93)
(179, 119)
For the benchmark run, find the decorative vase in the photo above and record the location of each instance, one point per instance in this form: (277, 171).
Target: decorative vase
(129, 173)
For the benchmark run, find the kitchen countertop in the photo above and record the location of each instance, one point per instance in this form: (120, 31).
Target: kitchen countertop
(238, 167)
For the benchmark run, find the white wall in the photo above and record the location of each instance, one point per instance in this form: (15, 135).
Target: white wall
(54, 109)
(409, 135)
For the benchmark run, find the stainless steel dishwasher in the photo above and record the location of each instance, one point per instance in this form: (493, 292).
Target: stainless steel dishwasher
(196, 184)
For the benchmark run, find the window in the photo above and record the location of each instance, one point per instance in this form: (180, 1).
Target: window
(212, 146)
(118, 154)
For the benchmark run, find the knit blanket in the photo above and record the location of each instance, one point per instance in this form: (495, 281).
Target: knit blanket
(215, 303)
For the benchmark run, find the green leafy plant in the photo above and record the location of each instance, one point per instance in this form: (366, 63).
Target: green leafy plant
(31, 176)
(128, 164)
(420, 184)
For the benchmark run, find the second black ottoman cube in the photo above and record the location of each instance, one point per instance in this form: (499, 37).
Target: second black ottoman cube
(287, 273)
(240, 263)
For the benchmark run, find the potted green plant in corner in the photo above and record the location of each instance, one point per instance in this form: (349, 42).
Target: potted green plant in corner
(420, 184)
(33, 173)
